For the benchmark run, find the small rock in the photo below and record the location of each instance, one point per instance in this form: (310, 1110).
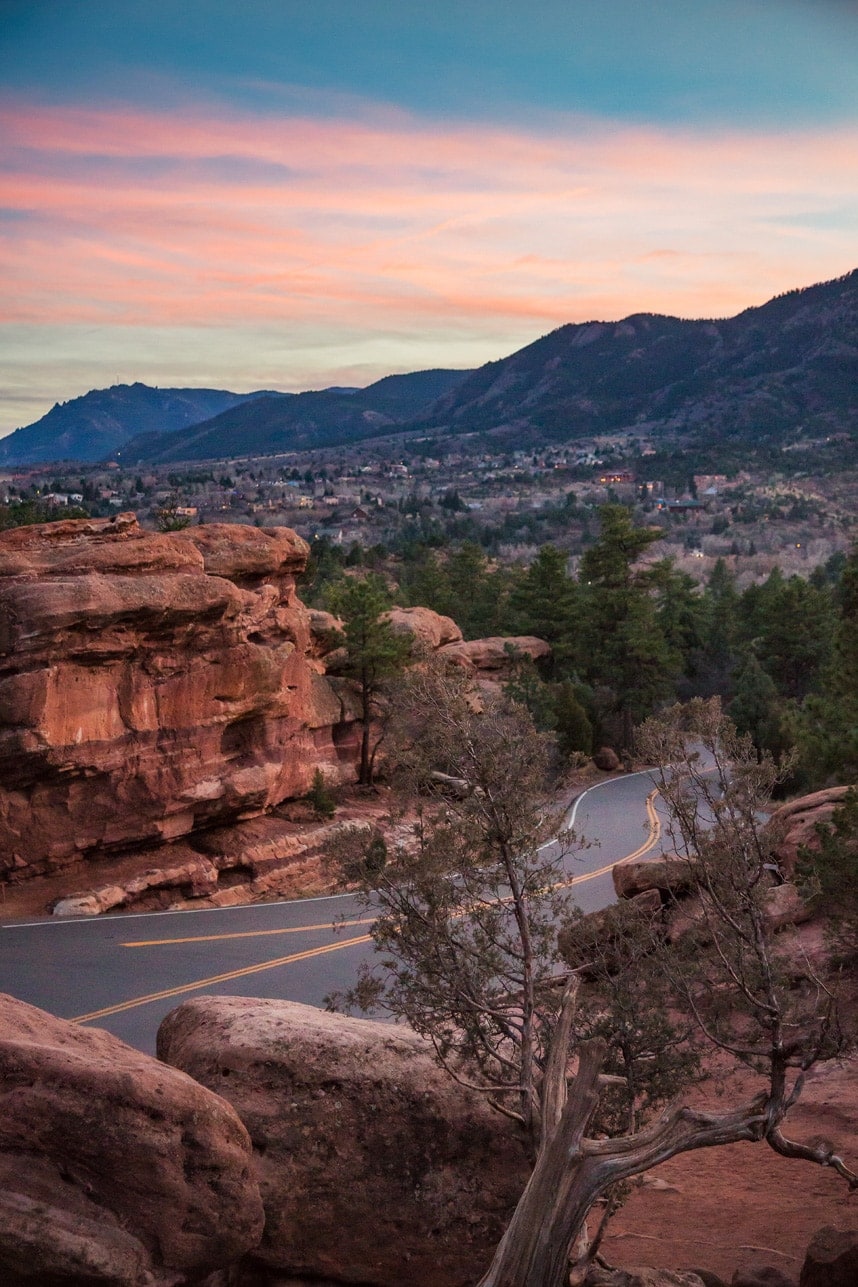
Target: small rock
(708, 1278)
(606, 759)
(832, 1259)
(766, 1276)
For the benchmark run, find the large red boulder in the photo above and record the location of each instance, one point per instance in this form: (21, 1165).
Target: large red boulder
(832, 1259)
(795, 824)
(114, 1168)
(374, 1166)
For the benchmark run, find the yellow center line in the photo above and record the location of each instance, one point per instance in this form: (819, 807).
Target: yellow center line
(219, 978)
(654, 824)
(217, 938)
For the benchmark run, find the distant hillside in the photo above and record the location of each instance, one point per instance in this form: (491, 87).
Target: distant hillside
(97, 425)
(788, 363)
(272, 424)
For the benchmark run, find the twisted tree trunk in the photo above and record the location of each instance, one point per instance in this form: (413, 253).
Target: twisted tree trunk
(571, 1172)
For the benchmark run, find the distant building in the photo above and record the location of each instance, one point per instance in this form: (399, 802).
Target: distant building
(710, 484)
(616, 477)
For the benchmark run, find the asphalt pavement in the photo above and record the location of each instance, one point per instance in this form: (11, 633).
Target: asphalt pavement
(125, 972)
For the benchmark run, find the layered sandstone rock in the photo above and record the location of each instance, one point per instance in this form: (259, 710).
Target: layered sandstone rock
(424, 626)
(832, 1259)
(496, 653)
(114, 1168)
(671, 875)
(374, 1166)
(795, 824)
(153, 683)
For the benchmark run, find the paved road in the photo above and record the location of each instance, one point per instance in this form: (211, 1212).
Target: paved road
(125, 972)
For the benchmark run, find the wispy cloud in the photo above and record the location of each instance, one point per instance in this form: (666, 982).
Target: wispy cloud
(212, 218)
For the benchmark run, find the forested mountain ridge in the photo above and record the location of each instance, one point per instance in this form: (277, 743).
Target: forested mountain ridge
(320, 418)
(787, 367)
(99, 423)
(790, 363)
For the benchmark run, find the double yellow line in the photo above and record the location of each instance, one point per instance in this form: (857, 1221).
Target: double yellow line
(653, 837)
(654, 833)
(166, 993)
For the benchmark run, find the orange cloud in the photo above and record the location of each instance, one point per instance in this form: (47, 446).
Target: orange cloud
(143, 218)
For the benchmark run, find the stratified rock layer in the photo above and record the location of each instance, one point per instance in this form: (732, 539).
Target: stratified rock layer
(374, 1166)
(114, 1168)
(154, 683)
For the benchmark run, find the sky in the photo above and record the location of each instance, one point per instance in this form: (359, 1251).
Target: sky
(289, 194)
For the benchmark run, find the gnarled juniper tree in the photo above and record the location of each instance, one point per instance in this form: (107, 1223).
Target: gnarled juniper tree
(467, 914)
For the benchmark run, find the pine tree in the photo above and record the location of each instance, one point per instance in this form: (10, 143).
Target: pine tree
(374, 653)
(622, 647)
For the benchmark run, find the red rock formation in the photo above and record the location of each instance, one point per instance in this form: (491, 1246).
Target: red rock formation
(493, 654)
(795, 823)
(424, 626)
(374, 1166)
(153, 683)
(113, 1167)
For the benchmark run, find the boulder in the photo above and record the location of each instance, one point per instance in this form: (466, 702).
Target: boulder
(765, 1276)
(794, 824)
(599, 936)
(373, 1165)
(495, 653)
(424, 626)
(114, 1168)
(325, 631)
(672, 876)
(641, 1277)
(784, 905)
(607, 760)
(832, 1259)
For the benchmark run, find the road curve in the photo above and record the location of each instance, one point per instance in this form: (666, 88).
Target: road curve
(125, 972)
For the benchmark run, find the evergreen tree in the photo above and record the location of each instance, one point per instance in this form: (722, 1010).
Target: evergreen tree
(543, 602)
(755, 709)
(712, 664)
(790, 624)
(374, 653)
(622, 648)
(827, 725)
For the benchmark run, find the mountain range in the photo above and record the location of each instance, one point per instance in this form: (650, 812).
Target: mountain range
(788, 365)
(100, 423)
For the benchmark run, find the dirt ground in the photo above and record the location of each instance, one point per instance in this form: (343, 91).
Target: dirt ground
(743, 1206)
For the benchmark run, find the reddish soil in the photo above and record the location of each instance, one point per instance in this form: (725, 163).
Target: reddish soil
(743, 1206)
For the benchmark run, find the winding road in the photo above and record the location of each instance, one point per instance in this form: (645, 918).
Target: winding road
(125, 972)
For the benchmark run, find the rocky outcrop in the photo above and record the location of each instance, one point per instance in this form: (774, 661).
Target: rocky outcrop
(670, 875)
(642, 1277)
(765, 1276)
(374, 1166)
(229, 866)
(795, 824)
(424, 627)
(114, 1169)
(832, 1259)
(152, 684)
(494, 653)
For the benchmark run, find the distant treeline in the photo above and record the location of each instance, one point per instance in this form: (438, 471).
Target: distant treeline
(629, 637)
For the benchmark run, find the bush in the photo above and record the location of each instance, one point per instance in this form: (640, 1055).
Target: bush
(321, 797)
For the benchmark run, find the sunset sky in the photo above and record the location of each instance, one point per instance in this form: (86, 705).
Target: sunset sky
(294, 193)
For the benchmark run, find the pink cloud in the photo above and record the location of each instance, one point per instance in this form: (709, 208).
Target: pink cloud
(265, 219)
